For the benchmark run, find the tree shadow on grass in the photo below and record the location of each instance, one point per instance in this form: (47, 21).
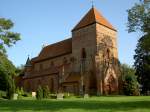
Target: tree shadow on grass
(53, 105)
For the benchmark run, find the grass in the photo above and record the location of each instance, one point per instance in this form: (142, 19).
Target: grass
(93, 104)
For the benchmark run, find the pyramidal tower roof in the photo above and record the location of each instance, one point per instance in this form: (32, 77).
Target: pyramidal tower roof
(93, 16)
(28, 63)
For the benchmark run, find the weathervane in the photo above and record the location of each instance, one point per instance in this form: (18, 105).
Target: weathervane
(92, 2)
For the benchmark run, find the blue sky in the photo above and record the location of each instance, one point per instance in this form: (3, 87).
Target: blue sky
(47, 21)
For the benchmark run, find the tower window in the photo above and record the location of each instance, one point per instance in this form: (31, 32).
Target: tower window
(64, 60)
(51, 63)
(83, 53)
(108, 54)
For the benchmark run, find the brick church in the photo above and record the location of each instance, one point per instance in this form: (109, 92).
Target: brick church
(85, 63)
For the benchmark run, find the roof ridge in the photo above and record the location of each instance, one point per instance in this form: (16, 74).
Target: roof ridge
(56, 49)
(58, 42)
(94, 13)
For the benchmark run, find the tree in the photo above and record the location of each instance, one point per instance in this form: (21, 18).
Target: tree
(7, 72)
(139, 20)
(7, 38)
(10, 87)
(7, 69)
(45, 92)
(39, 93)
(142, 63)
(130, 84)
(139, 17)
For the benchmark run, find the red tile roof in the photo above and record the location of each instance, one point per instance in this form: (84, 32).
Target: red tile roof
(93, 16)
(54, 50)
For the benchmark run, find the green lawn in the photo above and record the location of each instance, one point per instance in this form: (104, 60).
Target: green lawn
(94, 104)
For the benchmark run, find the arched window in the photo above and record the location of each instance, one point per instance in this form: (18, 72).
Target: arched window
(111, 84)
(108, 54)
(52, 85)
(41, 66)
(64, 60)
(51, 64)
(28, 85)
(83, 53)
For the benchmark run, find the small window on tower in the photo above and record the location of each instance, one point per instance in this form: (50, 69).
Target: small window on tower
(64, 60)
(83, 53)
(51, 63)
(108, 54)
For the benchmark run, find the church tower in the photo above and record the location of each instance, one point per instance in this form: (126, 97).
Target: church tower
(87, 63)
(94, 48)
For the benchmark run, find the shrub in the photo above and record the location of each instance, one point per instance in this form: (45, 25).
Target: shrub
(129, 80)
(45, 92)
(130, 85)
(53, 96)
(2, 94)
(39, 93)
(68, 95)
(27, 94)
(10, 90)
(20, 92)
